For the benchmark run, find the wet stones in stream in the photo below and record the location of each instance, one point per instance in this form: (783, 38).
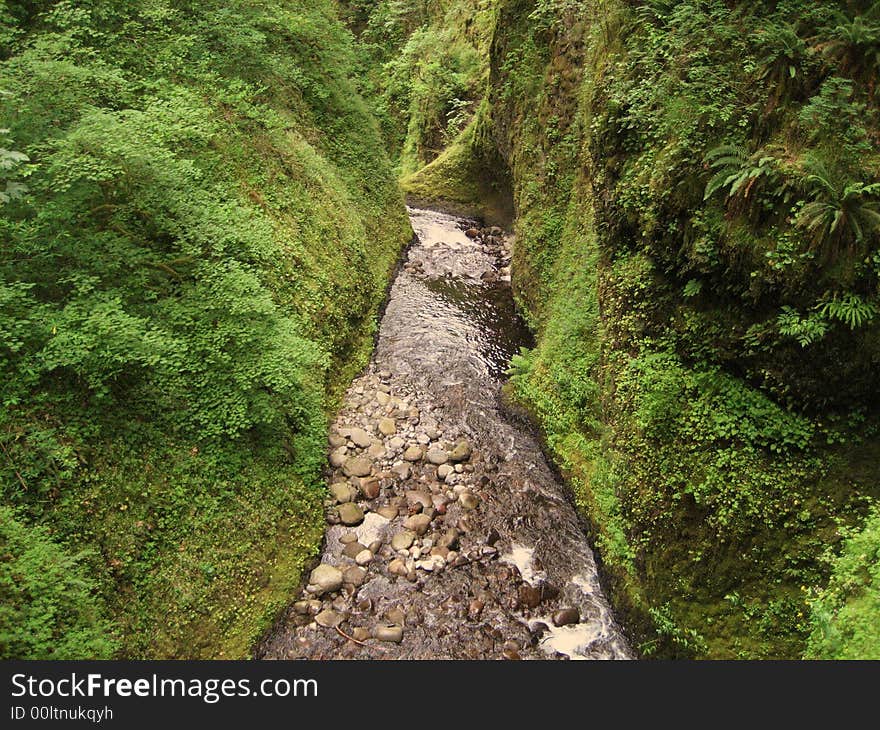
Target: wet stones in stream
(426, 512)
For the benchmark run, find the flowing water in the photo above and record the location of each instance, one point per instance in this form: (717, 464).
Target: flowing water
(438, 552)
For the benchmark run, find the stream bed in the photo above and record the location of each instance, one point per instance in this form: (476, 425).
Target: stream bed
(449, 535)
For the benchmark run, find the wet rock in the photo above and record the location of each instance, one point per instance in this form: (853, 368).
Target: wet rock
(472, 232)
(449, 539)
(342, 492)
(432, 563)
(364, 557)
(347, 537)
(402, 470)
(360, 634)
(369, 487)
(417, 496)
(444, 470)
(396, 616)
(335, 440)
(351, 514)
(413, 453)
(461, 452)
(417, 523)
(354, 576)
(566, 616)
(468, 500)
(403, 540)
(529, 596)
(397, 567)
(337, 457)
(301, 607)
(437, 456)
(357, 466)
(388, 512)
(388, 633)
(360, 438)
(387, 426)
(324, 579)
(352, 549)
(328, 618)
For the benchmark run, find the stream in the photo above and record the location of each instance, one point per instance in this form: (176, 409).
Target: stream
(449, 535)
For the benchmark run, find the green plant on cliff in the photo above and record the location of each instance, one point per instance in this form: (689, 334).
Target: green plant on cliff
(188, 278)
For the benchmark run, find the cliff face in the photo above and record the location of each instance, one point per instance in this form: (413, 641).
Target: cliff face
(191, 271)
(697, 250)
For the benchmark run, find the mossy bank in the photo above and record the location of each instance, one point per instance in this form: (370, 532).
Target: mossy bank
(696, 200)
(198, 227)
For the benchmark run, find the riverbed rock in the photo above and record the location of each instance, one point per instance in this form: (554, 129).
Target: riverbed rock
(472, 232)
(397, 567)
(369, 487)
(566, 616)
(328, 618)
(387, 426)
(413, 453)
(437, 456)
(342, 492)
(335, 440)
(382, 397)
(402, 470)
(337, 457)
(324, 579)
(403, 540)
(360, 438)
(354, 576)
(357, 466)
(396, 444)
(388, 512)
(469, 500)
(350, 514)
(388, 633)
(352, 549)
(449, 539)
(364, 557)
(461, 452)
(417, 523)
(444, 470)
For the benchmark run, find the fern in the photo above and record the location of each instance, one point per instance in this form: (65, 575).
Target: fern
(850, 309)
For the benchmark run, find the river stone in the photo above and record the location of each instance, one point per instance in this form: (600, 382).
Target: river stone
(417, 523)
(444, 470)
(352, 549)
(566, 616)
(529, 596)
(342, 492)
(376, 451)
(387, 426)
(449, 539)
(347, 537)
(469, 500)
(396, 616)
(472, 232)
(369, 487)
(417, 496)
(432, 563)
(397, 567)
(337, 457)
(402, 470)
(413, 453)
(403, 540)
(335, 440)
(437, 456)
(388, 633)
(364, 557)
(325, 579)
(396, 444)
(358, 466)
(382, 397)
(372, 529)
(388, 512)
(360, 634)
(328, 618)
(350, 514)
(461, 452)
(354, 576)
(361, 438)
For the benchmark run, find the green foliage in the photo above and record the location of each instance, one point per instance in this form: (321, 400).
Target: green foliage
(191, 272)
(846, 612)
(48, 607)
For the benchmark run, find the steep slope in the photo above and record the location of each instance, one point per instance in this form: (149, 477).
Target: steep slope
(695, 186)
(192, 271)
